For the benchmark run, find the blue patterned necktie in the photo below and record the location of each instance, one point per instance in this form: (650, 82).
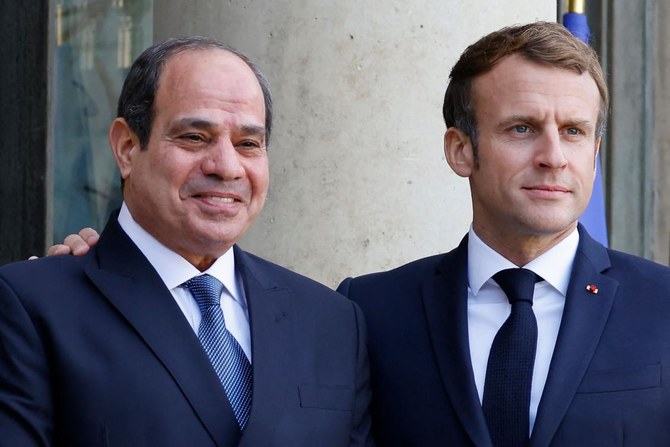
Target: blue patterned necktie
(225, 353)
(509, 372)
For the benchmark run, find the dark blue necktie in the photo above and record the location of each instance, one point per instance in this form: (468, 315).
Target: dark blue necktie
(224, 352)
(509, 372)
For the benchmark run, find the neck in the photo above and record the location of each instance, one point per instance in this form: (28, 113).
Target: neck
(520, 249)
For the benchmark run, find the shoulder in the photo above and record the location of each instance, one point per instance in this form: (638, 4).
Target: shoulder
(43, 272)
(634, 269)
(397, 291)
(273, 276)
(621, 267)
(33, 285)
(406, 278)
(408, 275)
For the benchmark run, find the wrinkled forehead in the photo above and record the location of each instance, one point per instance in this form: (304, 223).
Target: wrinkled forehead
(517, 84)
(211, 75)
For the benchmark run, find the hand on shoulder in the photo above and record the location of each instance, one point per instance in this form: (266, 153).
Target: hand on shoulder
(77, 244)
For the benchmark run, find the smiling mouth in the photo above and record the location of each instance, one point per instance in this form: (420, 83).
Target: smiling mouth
(216, 199)
(219, 199)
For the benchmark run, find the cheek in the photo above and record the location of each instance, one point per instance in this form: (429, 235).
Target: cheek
(499, 173)
(173, 173)
(259, 176)
(585, 167)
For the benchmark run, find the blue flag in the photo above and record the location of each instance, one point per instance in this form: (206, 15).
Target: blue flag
(594, 215)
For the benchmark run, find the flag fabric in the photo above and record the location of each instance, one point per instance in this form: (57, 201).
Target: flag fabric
(577, 24)
(593, 218)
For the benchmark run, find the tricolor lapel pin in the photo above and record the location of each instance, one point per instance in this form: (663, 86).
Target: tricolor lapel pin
(592, 288)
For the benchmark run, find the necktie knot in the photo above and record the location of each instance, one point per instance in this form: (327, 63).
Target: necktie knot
(517, 283)
(206, 290)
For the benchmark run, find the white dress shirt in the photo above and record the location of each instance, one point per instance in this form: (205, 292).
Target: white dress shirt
(488, 307)
(175, 270)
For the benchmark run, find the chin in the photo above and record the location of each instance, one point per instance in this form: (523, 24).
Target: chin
(548, 225)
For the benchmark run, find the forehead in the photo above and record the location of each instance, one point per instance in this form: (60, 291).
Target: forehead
(208, 78)
(517, 83)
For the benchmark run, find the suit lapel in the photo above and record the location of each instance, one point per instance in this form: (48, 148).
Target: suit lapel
(584, 318)
(133, 287)
(272, 346)
(445, 301)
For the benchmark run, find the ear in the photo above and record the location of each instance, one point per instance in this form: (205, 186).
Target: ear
(595, 157)
(125, 144)
(459, 152)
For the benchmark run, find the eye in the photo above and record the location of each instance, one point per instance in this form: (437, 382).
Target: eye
(249, 144)
(521, 128)
(573, 131)
(192, 137)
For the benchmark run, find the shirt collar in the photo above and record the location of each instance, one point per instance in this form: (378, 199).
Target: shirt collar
(554, 266)
(173, 269)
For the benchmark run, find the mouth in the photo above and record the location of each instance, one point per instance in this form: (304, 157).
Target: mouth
(216, 199)
(547, 191)
(217, 203)
(548, 188)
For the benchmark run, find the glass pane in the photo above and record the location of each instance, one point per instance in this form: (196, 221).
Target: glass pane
(96, 41)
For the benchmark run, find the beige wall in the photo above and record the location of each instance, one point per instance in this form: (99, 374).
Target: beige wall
(359, 180)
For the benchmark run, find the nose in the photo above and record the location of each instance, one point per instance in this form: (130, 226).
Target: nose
(223, 160)
(550, 153)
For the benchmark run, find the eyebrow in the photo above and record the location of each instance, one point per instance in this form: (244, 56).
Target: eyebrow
(516, 119)
(529, 119)
(251, 129)
(203, 124)
(580, 123)
(185, 123)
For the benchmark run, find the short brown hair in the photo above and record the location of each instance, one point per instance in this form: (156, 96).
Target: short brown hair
(545, 43)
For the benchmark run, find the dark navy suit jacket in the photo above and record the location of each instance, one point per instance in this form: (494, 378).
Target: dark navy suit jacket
(609, 379)
(94, 351)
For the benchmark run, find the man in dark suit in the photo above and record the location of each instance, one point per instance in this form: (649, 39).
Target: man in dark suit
(123, 346)
(525, 110)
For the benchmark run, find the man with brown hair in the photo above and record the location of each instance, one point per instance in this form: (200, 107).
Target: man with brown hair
(530, 332)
